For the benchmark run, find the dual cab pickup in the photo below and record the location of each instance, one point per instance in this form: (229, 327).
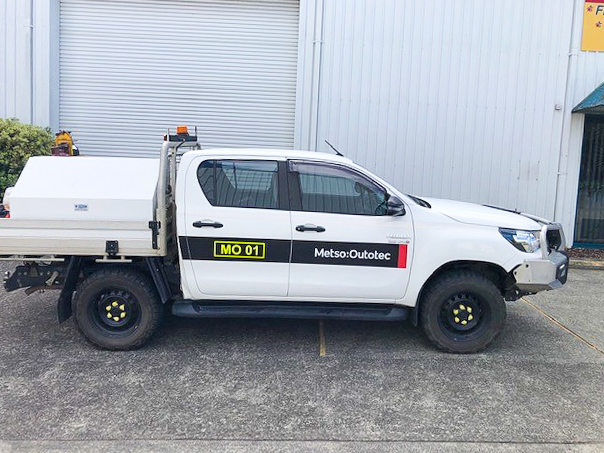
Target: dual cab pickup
(266, 233)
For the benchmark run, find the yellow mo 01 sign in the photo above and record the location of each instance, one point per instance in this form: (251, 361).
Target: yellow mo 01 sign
(593, 26)
(239, 249)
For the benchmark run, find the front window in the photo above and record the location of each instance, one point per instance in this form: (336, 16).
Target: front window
(336, 189)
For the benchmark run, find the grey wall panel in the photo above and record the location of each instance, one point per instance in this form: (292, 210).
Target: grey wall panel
(25, 60)
(15, 59)
(450, 98)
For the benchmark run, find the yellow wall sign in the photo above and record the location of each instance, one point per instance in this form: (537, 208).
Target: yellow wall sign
(593, 26)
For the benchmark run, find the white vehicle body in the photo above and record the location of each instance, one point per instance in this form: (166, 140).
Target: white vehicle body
(279, 238)
(447, 232)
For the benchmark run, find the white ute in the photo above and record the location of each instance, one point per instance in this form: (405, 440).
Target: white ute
(265, 233)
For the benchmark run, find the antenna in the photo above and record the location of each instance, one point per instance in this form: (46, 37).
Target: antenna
(333, 147)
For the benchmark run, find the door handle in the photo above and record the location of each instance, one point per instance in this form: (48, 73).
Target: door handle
(207, 223)
(310, 227)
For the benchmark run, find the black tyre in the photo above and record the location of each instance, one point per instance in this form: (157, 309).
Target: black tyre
(462, 312)
(117, 309)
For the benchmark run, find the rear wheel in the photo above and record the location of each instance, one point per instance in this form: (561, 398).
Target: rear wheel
(117, 309)
(462, 312)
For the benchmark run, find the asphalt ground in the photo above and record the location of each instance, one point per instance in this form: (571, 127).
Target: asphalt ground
(283, 385)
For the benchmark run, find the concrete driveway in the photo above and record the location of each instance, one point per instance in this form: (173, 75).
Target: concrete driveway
(265, 385)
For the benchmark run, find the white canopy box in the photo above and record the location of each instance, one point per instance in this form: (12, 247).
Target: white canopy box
(74, 205)
(85, 188)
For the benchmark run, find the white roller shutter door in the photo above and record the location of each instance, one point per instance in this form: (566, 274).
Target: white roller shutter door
(132, 68)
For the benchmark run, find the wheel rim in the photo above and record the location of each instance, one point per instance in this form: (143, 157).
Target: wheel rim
(463, 316)
(115, 312)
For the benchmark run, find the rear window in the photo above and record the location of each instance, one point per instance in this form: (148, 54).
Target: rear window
(240, 183)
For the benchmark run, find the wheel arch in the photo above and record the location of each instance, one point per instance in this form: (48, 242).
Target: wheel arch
(80, 267)
(152, 267)
(495, 273)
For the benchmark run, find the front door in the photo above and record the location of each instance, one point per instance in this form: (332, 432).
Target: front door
(237, 231)
(345, 246)
(589, 228)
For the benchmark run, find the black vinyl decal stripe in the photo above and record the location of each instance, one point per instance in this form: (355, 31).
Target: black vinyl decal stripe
(346, 253)
(302, 252)
(261, 250)
(184, 248)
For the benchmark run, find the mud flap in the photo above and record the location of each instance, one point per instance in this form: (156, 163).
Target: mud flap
(64, 303)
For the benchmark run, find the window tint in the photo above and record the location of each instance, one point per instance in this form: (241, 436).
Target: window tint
(332, 188)
(238, 183)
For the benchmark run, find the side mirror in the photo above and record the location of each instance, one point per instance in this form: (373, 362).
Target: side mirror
(395, 206)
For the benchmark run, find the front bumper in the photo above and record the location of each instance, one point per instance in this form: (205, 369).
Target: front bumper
(541, 275)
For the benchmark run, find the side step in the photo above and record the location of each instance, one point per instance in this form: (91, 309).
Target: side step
(244, 309)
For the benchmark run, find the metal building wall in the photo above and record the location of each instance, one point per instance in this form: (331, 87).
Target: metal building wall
(15, 59)
(450, 98)
(585, 73)
(464, 106)
(28, 79)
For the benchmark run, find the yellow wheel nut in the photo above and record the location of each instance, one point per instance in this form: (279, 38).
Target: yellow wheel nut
(462, 307)
(114, 303)
(456, 312)
(469, 309)
(470, 318)
(108, 308)
(456, 319)
(109, 315)
(123, 307)
(115, 318)
(464, 322)
(123, 315)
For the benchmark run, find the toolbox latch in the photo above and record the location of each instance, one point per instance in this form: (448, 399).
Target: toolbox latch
(155, 226)
(112, 248)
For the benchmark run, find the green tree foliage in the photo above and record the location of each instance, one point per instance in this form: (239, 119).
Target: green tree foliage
(18, 142)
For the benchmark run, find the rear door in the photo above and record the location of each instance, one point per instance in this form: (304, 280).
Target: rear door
(237, 229)
(345, 246)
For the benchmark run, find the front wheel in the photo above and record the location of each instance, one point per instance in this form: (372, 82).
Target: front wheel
(117, 309)
(462, 312)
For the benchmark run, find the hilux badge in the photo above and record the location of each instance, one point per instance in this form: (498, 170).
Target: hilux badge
(398, 238)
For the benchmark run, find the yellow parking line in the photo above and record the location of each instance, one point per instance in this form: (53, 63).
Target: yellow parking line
(563, 327)
(321, 339)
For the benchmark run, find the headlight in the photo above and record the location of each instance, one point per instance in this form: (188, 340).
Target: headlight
(525, 241)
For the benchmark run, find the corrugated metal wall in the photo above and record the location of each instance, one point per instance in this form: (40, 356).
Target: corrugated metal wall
(26, 50)
(15, 59)
(449, 98)
(590, 75)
